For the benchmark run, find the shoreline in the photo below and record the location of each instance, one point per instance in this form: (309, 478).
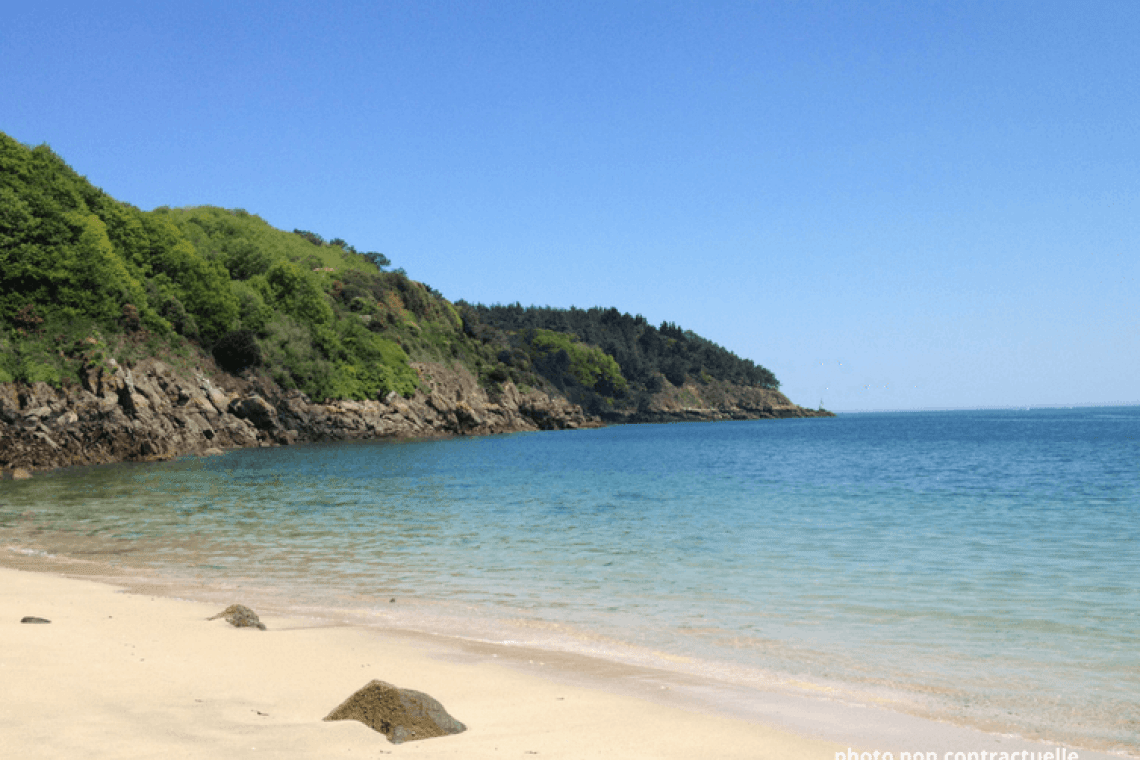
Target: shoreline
(127, 675)
(152, 413)
(505, 694)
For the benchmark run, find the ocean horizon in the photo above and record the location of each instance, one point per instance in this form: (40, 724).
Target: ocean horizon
(990, 408)
(980, 567)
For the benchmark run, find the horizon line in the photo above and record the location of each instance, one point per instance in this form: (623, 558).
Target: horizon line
(1008, 407)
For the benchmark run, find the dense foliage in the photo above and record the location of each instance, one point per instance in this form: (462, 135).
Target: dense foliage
(642, 352)
(85, 279)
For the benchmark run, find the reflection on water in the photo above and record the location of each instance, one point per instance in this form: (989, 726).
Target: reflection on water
(953, 563)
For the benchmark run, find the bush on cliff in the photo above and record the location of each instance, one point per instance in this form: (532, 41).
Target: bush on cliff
(567, 362)
(237, 351)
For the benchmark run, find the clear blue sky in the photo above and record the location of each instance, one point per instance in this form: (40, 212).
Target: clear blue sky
(890, 205)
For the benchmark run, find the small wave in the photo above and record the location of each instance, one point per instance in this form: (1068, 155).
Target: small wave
(28, 552)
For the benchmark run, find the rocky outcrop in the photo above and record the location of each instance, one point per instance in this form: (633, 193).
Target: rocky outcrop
(713, 401)
(149, 412)
(117, 414)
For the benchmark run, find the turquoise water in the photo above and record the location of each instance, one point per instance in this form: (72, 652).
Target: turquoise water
(981, 567)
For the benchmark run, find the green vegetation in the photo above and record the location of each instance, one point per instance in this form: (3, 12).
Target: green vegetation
(556, 355)
(639, 358)
(86, 279)
(76, 265)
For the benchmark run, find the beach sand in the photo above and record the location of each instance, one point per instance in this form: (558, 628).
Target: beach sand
(129, 675)
(117, 675)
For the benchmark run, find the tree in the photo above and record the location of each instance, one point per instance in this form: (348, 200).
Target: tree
(237, 350)
(379, 259)
(296, 293)
(312, 237)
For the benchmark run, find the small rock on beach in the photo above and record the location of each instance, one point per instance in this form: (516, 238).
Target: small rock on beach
(400, 714)
(240, 616)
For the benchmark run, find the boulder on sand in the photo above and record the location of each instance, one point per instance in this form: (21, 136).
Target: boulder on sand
(400, 714)
(240, 616)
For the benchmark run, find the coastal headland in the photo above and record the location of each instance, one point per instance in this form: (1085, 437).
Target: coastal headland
(134, 335)
(150, 412)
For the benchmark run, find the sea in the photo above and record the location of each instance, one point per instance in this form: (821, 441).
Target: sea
(977, 567)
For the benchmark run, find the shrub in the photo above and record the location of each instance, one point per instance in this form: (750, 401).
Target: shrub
(566, 361)
(237, 350)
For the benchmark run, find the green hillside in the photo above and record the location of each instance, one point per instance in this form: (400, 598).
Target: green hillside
(632, 359)
(86, 280)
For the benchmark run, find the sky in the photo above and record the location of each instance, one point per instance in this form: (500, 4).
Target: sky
(890, 205)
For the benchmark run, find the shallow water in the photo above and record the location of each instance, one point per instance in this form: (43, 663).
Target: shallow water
(980, 567)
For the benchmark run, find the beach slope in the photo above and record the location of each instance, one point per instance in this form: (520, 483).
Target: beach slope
(121, 675)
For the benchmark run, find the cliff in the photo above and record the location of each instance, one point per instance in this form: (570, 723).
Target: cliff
(149, 412)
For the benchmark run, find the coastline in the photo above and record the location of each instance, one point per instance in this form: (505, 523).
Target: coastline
(150, 412)
(124, 670)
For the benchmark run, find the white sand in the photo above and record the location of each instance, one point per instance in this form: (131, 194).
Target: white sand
(118, 675)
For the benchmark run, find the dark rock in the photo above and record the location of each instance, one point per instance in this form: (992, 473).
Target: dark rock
(148, 413)
(31, 619)
(257, 410)
(240, 616)
(400, 714)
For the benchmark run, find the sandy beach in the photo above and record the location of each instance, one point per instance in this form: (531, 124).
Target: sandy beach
(117, 675)
(129, 675)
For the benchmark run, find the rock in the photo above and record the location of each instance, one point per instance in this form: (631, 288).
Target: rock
(9, 402)
(213, 451)
(257, 410)
(240, 616)
(148, 412)
(216, 397)
(36, 396)
(400, 714)
(39, 413)
(466, 416)
(67, 418)
(31, 619)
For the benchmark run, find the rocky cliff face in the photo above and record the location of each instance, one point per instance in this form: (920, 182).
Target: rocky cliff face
(713, 401)
(148, 412)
